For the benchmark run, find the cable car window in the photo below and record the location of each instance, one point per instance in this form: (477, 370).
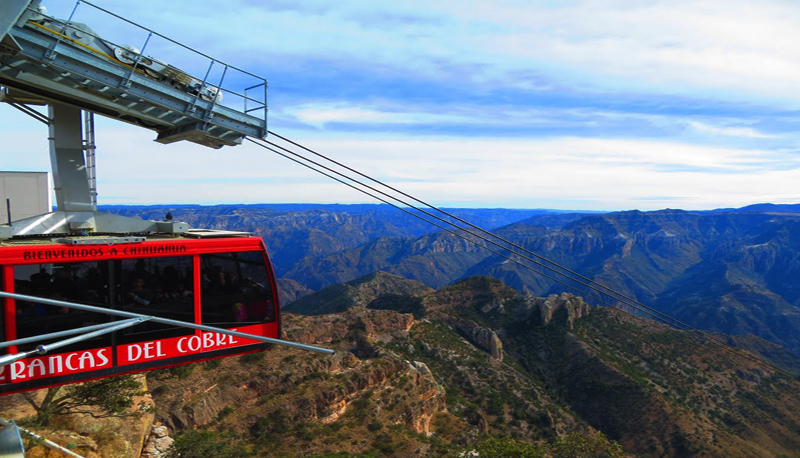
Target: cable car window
(81, 282)
(236, 289)
(159, 287)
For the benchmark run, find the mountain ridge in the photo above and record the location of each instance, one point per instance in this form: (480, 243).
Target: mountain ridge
(727, 271)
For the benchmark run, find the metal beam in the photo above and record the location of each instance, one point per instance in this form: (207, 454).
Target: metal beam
(69, 332)
(43, 349)
(155, 319)
(47, 443)
(66, 157)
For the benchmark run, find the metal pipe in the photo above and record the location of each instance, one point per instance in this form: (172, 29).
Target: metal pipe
(91, 152)
(266, 110)
(127, 81)
(120, 325)
(47, 443)
(51, 53)
(203, 86)
(155, 319)
(165, 37)
(43, 349)
(219, 87)
(27, 110)
(55, 335)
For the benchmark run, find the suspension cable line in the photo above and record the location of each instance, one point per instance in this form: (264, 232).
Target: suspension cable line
(660, 319)
(455, 233)
(585, 281)
(610, 292)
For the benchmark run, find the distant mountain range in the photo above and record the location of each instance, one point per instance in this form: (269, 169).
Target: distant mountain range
(294, 232)
(733, 271)
(474, 364)
(763, 208)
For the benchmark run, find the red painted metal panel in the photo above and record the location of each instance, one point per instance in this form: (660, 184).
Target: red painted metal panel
(198, 314)
(37, 254)
(9, 308)
(86, 361)
(89, 364)
(183, 346)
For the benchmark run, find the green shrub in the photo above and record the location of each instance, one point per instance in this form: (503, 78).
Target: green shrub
(578, 446)
(251, 358)
(383, 443)
(508, 448)
(212, 364)
(204, 444)
(159, 390)
(224, 412)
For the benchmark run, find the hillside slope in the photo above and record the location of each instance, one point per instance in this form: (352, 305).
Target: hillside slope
(472, 361)
(478, 359)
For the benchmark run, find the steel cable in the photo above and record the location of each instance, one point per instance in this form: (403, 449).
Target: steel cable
(663, 320)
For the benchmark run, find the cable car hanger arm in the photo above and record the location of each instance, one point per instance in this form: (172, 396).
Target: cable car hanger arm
(70, 332)
(167, 321)
(43, 349)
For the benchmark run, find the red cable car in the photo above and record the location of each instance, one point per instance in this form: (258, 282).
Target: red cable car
(145, 294)
(223, 280)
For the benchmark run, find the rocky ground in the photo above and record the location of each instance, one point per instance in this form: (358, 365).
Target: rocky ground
(419, 372)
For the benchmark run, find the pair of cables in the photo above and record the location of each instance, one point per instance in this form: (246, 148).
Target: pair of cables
(487, 240)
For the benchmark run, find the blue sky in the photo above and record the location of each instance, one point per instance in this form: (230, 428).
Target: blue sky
(605, 105)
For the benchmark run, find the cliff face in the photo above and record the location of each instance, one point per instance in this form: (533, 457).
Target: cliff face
(363, 388)
(728, 272)
(564, 308)
(89, 435)
(483, 338)
(621, 375)
(296, 233)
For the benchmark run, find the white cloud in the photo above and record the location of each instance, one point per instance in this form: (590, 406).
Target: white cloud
(576, 173)
(716, 52)
(321, 114)
(744, 132)
(736, 49)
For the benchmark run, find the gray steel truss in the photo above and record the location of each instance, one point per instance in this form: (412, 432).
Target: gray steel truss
(41, 62)
(63, 64)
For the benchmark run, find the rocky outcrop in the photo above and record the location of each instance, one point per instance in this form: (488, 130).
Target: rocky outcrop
(483, 338)
(481, 293)
(291, 385)
(83, 445)
(563, 309)
(429, 400)
(117, 437)
(202, 405)
(325, 405)
(159, 443)
(376, 324)
(87, 434)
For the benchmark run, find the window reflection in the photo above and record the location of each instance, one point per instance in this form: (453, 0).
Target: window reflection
(235, 289)
(81, 282)
(160, 287)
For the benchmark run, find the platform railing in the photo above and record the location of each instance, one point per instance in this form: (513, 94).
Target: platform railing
(249, 90)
